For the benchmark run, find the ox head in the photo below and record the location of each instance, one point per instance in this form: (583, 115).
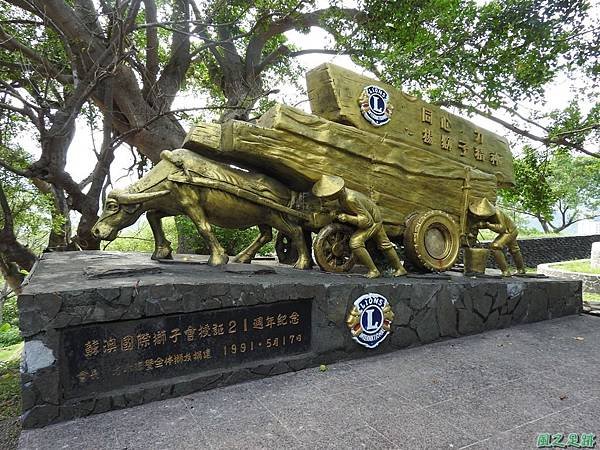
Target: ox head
(121, 210)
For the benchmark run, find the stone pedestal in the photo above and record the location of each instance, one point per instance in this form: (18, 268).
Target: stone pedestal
(107, 330)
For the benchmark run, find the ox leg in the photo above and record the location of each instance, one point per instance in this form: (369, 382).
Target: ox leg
(189, 199)
(246, 255)
(296, 233)
(162, 246)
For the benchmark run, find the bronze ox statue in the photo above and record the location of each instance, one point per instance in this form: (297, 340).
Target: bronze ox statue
(208, 192)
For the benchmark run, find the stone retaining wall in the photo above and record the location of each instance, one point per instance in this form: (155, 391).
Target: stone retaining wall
(545, 250)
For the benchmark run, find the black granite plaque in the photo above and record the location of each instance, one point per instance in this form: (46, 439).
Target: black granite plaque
(106, 356)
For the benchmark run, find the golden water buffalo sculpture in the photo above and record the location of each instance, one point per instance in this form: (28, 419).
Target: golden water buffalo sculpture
(209, 193)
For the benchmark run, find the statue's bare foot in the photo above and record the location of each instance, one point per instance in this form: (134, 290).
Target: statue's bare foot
(242, 258)
(303, 264)
(162, 252)
(506, 273)
(373, 274)
(400, 273)
(218, 260)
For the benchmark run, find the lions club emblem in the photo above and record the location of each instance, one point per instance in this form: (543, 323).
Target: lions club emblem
(370, 319)
(374, 105)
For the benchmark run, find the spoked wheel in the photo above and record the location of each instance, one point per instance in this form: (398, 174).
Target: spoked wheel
(332, 248)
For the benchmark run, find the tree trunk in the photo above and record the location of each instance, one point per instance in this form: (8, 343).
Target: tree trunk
(12, 277)
(60, 234)
(242, 93)
(12, 250)
(544, 223)
(149, 130)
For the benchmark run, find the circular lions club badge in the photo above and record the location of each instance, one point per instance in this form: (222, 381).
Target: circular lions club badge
(370, 319)
(374, 105)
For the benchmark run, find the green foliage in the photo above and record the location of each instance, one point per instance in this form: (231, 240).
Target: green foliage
(141, 240)
(532, 192)
(9, 328)
(462, 49)
(556, 183)
(591, 297)
(10, 312)
(31, 209)
(232, 240)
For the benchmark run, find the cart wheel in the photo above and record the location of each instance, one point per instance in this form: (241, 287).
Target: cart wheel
(332, 248)
(431, 240)
(285, 250)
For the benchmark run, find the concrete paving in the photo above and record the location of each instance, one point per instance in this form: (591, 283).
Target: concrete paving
(496, 390)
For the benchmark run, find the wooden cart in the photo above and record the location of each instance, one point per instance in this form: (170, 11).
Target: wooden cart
(420, 168)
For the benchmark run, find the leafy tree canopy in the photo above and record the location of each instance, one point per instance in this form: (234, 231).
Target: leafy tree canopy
(558, 190)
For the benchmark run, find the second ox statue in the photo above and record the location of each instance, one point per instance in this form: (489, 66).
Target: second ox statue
(208, 192)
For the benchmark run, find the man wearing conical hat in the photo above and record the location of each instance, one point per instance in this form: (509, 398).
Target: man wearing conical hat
(498, 222)
(361, 212)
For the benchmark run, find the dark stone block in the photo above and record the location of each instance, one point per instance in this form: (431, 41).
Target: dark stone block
(504, 321)
(482, 305)
(501, 297)
(403, 337)
(492, 321)
(423, 294)
(49, 305)
(402, 313)
(134, 398)
(425, 323)
(520, 310)
(29, 396)
(469, 322)
(103, 405)
(447, 317)
(39, 415)
(118, 401)
(30, 323)
(538, 306)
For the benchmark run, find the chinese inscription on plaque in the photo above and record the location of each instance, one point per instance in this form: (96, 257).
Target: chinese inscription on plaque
(105, 356)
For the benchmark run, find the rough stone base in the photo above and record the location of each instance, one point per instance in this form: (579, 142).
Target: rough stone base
(590, 282)
(69, 291)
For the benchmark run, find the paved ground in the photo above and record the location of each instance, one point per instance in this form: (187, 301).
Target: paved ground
(496, 390)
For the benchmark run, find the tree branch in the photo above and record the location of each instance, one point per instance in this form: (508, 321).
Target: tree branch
(594, 126)
(152, 62)
(12, 44)
(176, 68)
(291, 22)
(8, 227)
(544, 140)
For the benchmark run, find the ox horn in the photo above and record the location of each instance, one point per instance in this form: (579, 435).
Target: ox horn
(126, 198)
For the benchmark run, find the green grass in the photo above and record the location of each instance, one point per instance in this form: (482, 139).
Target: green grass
(591, 297)
(11, 353)
(10, 390)
(581, 265)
